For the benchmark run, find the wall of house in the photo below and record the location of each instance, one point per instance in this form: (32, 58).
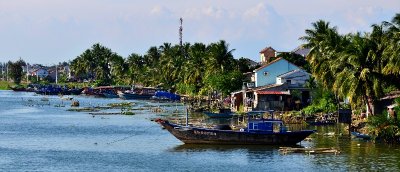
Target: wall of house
(273, 70)
(298, 79)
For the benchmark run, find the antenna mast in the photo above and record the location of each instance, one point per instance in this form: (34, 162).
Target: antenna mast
(180, 32)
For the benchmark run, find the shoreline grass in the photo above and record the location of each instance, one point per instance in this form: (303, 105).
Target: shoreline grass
(4, 85)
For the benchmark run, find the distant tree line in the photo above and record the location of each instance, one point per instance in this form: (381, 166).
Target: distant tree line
(191, 69)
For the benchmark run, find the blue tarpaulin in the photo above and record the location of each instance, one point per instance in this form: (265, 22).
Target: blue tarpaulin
(167, 95)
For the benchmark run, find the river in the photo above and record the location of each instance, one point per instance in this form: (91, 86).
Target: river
(40, 135)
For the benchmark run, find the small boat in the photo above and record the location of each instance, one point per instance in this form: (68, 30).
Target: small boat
(131, 96)
(360, 135)
(144, 93)
(257, 132)
(163, 95)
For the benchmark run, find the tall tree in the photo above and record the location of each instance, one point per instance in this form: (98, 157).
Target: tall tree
(15, 70)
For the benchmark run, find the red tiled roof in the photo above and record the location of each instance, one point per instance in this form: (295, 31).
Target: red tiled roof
(273, 92)
(266, 49)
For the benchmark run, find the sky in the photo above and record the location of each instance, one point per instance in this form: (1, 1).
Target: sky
(52, 31)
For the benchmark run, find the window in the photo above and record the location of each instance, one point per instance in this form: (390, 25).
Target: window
(265, 73)
(289, 81)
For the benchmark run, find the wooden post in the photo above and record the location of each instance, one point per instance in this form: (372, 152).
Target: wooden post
(187, 117)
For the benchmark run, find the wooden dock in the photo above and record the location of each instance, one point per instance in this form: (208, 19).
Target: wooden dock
(309, 151)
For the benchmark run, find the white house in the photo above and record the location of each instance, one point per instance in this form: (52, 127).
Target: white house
(41, 73)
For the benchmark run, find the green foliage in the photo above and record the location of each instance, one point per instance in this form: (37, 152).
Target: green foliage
(324, 101)
(296, 59)
(190, 69)
(15, 70)
(357, 66)
(384, 128)
(225, 82)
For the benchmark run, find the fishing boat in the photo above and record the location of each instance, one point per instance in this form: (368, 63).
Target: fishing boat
(257, 132)
(144, 93)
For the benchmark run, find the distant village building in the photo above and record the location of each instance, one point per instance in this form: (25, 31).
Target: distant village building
(41, 73)
(266, 54)
(301, 50)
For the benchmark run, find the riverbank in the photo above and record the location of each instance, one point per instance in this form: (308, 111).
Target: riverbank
(4, 85)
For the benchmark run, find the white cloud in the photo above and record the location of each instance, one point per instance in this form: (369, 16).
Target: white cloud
(43, 29)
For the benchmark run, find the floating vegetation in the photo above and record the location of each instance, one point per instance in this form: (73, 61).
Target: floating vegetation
(105, 113)
(85, 109)
(122, 104)
(157, 110)
(128, 113)
(112, 113)
(150, 106)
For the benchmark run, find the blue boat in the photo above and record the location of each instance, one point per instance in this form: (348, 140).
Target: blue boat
(257, 132)
(360, 135)
(164, 95)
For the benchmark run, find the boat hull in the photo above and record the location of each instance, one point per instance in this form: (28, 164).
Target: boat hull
(130, 96)
(190, 135)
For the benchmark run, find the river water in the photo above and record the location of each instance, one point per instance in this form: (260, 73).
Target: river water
(40, 135)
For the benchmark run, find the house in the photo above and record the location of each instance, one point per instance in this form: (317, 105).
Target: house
(301, 50)
(278, 85)
(266, 54)
(40, 73)
(268, 73)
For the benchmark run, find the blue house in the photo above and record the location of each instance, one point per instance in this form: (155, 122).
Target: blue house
(278, 85)
(267, 74)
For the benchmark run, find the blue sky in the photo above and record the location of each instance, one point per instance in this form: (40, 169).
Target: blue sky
(52, 31)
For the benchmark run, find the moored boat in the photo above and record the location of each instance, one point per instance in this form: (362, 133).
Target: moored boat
(360, 135)
(258, 132)
(144, 93)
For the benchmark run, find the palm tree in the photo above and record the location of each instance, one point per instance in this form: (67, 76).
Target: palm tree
(194, 67)
(134, 68)
(392, 53)
(220, 58)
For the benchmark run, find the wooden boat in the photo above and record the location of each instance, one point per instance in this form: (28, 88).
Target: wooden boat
(144, 93)
(258, 132)
(130, 96)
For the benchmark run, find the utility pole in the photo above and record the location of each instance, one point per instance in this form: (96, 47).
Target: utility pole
(180, 32)
(27, 73)
(7, 72)
(56, 74)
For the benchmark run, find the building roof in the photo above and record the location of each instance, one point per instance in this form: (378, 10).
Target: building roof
(266, 49)
(273, 92)
(301, 50)
(291, 73)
